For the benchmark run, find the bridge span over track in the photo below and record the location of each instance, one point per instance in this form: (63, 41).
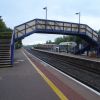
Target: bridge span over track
(54, 27)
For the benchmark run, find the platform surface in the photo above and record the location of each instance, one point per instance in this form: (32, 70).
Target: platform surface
(84, 57)
(24, 82)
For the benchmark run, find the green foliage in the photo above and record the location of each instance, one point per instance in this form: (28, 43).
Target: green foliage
(78, 40)
(98, 32)
(58, 40)
(49, 42)
(68, 38)
(2, 26)
(18, 44)
(64, 39)
(4, 29)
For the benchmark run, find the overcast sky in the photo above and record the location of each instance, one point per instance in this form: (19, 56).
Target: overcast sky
(15, 12)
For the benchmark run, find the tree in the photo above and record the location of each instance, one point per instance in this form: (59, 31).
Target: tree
(18, 44)
(4, 29)
(69, 38)
(49, 42)
(64, 39)
(2, 26)
(58, 40)
(98, 32)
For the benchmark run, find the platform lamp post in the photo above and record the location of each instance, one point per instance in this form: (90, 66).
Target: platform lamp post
(79, 14)
(45, 8)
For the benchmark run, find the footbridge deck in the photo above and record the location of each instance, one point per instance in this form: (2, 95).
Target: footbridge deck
(55, 27)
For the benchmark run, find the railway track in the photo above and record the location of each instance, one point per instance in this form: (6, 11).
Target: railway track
(85, 75)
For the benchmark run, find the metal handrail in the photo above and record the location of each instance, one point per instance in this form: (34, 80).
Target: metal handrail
(12, 47)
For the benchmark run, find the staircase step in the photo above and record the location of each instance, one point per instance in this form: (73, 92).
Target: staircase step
(5, 61)
(5, 44)
(5, 66)
(4, 47)
(4, 50)
(4, 56)
(5, 37)
(1, 45)
(6, 34)
(7, 51)
(5, 41)
(3, 53)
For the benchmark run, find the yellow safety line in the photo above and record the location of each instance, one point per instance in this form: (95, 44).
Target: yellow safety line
(49, 82)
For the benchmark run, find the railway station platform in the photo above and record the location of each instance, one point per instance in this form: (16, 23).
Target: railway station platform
(84, 57)
(33, 79)
(95, 59)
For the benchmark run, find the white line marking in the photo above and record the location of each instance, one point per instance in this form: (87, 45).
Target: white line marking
(20, 60)
(94, 91)
(16, 62)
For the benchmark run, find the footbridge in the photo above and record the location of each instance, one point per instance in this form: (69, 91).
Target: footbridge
(54, 27)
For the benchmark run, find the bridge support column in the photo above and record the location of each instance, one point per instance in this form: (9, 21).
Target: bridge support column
(98, 51)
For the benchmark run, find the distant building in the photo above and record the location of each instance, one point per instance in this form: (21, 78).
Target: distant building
(67, 46)
(45, 46)
(62, 47)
